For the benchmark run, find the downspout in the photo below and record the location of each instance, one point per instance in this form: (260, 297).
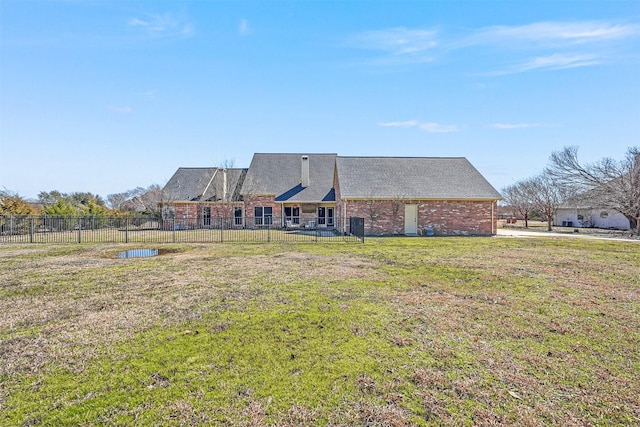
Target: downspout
(344, 214)
(493, 231)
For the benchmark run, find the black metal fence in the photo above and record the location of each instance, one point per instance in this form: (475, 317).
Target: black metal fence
(148, 229)
(356, 227)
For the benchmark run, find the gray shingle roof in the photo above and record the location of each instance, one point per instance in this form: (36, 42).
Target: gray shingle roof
(281, 175)
(203, 184)
(412, 178)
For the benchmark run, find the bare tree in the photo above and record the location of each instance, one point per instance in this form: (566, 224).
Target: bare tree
(227, 163)
(609, 183)
(139, 199)
(374, 212)
(150, 199)
(116, 201)
(397, 206)
(517, 196)
(545, 196)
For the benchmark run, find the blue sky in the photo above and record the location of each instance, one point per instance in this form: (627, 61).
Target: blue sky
(105, 96)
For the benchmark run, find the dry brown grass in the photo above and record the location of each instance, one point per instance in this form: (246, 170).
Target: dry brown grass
(479, 331)
(62, 308)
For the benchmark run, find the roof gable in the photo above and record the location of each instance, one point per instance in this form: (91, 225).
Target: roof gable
(280, 175)
(203, 184)
(412, 178)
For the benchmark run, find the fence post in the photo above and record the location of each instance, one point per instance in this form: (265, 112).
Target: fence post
(31, 229)
(268, 233)
(126, 230)
(173, 226)
(221, 229)
(79, 229)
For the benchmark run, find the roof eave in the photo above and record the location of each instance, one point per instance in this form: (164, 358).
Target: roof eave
(466, 199)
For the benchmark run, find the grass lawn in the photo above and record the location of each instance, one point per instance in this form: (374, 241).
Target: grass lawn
(396, 331)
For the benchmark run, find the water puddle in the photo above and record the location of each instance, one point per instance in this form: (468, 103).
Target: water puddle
(139, 253)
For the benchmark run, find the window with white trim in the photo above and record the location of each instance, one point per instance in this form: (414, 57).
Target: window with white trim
(206, 216)
(325, 216)
(262, 215)
(292, 214)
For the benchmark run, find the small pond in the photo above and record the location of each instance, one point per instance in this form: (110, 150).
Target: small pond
(139, 253)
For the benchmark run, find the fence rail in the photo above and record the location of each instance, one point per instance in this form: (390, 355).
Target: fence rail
(149, 229)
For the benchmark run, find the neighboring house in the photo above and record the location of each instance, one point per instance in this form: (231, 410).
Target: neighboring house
(589, 209)
(394, 195)
(579, 213)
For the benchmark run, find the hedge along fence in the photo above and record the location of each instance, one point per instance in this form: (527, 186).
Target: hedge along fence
(146, 228)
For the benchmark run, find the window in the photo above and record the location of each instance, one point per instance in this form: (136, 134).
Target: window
(580, 217)
(325, 216)
(604, 214)
(262, 215)
(168, 212)
(206, 216)
(237, 216)
(292, 214)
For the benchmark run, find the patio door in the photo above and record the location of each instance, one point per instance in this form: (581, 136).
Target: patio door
(292, 215)
(325, 216)
(410, 219)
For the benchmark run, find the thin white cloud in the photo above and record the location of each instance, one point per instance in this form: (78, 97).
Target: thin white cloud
(398, 41)
(430, 127)
(544, 45)
(397, 45)
(243, 28)
(165, 25)
(121, 109)
(438, 128)
(552, 62)
(554, 33)
(405, 124)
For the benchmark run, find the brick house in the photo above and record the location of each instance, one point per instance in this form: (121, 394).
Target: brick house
(297, 188)
(194, 197)
(416, 195)
(394, 195)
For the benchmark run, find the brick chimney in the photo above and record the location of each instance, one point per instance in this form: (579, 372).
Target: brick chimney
(305, 171)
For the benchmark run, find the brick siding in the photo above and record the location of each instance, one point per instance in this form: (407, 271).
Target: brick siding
(191, 213)
(386, 217)
(251, 202)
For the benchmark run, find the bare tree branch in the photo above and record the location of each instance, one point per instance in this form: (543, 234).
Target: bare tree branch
(605, 183)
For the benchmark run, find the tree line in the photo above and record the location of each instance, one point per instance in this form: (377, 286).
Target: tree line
(139, 200)
(606, 183)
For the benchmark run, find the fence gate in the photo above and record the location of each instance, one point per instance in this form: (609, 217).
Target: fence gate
(356, 227)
